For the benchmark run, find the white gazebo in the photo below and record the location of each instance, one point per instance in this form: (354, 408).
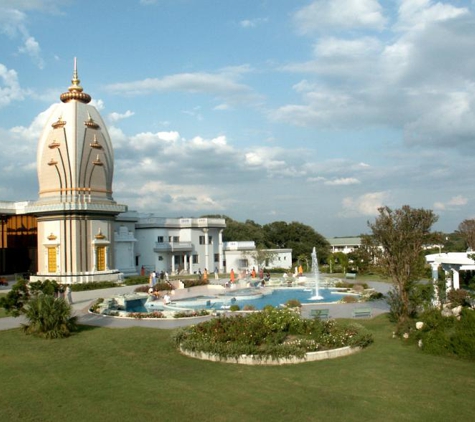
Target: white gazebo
(451, 262)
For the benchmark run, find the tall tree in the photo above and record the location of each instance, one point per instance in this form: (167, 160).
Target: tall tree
(402, 233)
(467, 230)
(296, 236)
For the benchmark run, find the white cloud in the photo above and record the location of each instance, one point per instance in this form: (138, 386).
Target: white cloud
(13, 23)
(115, 117)
(252, 23)
(364, 205)
(336, 14)
(32, 133)
(344, 181)
(221, 85)
(10, 89)
(416, 14)
(32, 49)
(452, 204)
(358, 47)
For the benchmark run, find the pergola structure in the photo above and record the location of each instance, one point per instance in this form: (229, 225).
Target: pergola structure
(453, 262)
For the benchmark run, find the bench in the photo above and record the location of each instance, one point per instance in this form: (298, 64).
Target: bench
(320, 313)
(351, 276)
(362, 312)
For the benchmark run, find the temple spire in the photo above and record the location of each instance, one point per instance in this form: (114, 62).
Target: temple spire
(75, 91)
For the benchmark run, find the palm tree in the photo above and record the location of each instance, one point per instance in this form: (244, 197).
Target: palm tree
(49, 317)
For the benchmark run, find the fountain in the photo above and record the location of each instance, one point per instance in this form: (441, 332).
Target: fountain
(316, 275)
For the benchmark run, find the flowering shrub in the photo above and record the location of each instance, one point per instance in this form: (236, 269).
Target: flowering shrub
(140, 315)
(273, 332)
(188, 314)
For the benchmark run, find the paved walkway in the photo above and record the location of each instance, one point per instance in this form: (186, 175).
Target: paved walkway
(83, 300)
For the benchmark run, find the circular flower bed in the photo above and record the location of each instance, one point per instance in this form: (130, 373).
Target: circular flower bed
(270, 334)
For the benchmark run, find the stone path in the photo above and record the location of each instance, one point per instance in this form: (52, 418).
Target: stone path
(83, 300)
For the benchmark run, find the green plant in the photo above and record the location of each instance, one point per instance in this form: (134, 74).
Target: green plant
(94, 308)
(49, 317)
(459, 297)
(248, 308)
(293, 303)
(349, 299)
(93, 286)
(16, 298)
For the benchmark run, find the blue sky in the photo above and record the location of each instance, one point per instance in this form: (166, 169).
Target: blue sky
(311, 111)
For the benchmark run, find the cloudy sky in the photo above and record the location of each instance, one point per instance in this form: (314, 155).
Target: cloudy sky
(311, 111)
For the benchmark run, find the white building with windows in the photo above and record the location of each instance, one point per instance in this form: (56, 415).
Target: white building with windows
(179, 245)
(344, 244)
(241, 256)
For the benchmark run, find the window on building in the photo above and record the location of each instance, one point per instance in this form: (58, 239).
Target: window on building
(195, 259)
(101, 258)
(210, 240)
(160, 239)
(267, 262)
(173, 238)
(52, 265)
(216, 257)
(137, 261)
(243, 263)
(202, 240)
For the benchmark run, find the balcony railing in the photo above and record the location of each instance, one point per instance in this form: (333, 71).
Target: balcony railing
(173, 247)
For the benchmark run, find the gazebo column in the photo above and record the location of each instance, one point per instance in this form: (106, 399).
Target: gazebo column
(455, 277)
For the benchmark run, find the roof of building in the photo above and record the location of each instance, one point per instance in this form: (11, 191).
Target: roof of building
(345, 241)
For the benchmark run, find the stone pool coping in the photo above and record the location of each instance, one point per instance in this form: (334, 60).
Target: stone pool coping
(251, 360)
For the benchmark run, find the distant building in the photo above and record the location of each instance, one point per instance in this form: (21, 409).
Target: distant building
(344, 244)
(242, 256)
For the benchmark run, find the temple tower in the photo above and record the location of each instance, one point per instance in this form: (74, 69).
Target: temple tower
(75, 209)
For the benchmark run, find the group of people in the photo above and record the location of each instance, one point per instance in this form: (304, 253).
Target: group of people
(154, 277)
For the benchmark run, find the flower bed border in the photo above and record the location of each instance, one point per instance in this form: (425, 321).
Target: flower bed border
(262, 360)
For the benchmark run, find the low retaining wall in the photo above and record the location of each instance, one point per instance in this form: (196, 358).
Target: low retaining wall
(251, 360)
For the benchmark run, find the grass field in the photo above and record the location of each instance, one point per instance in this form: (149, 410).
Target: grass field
(135, 374)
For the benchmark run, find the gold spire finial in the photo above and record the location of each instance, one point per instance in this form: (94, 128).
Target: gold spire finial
(75, 90)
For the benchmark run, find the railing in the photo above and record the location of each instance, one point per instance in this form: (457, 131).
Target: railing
(173, 246)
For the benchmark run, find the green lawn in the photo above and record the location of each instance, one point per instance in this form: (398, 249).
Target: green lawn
(135, 374)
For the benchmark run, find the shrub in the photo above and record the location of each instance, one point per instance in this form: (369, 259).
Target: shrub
(140, 315)
(234, 308)
(447, 336)
(293, 303)
(132, 281)
(459, 297)
(49, 317)
(94, 308)
(349, 299)
(96, 285)
(194, 282)
(249, 308)
(16, 299)
(188, 314)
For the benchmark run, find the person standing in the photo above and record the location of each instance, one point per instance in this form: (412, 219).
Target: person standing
(232, 277)
(216, 271)
(69, 295)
